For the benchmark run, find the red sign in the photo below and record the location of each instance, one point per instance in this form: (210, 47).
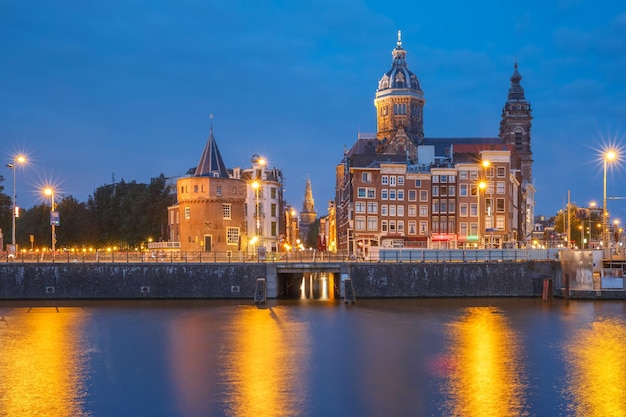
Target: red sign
(443, 236)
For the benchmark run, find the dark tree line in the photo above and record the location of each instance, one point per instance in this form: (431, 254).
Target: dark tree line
(124, 214)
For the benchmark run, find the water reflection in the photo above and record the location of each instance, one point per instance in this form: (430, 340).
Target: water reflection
(484, 371)
(317, 285)
(266, 360)
(597, 369)
(42, 363)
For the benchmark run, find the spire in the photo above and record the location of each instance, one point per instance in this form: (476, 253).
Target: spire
(309, 204)
(399, 54)
(516, 92)
(211, 163)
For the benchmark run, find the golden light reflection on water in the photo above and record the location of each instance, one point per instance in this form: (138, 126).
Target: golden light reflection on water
(597, 369)
(265, 364)
(485, 377)
(41, 366)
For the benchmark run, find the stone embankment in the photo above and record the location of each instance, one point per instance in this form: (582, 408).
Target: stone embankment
(237, 281)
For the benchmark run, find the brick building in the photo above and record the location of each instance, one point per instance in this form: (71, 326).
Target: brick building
(210, 211)
(398, 188)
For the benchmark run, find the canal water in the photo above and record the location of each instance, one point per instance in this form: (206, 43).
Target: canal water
(313, 357)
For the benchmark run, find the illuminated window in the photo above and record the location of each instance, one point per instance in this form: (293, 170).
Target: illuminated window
(232, 236)
(226, 211)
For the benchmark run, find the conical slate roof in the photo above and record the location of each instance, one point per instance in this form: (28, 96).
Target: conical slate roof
(211, 163)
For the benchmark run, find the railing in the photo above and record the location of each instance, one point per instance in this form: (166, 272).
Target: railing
(306, 256)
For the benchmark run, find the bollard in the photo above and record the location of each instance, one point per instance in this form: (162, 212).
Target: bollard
(547, 289)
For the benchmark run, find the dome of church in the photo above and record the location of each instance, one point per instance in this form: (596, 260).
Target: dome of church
(399, 76)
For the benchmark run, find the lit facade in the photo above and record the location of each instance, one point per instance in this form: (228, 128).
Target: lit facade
(209, 213)
(398, 188)
(264, 207)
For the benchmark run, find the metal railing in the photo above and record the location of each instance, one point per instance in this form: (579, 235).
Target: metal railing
(305, 256)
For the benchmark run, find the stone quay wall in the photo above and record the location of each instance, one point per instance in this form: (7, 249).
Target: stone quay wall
(236, 281)
(128, 281)
(453, 279)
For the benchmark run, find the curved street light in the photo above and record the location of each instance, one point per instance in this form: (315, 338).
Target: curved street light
(480, 186)
(17, 160)
(609, 155)
(49, 191)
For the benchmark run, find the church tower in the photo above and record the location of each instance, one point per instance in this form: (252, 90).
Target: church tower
(515, 125)
(399, 106)
(308, 214)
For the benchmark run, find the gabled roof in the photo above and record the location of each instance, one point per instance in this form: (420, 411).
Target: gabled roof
(211, 163)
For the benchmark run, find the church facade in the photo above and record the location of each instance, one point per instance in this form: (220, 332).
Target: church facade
(400, 188)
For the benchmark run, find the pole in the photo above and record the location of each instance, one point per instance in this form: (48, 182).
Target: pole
(52, 225)
(12, 166)
(604, 213)
(569, 222)
(478, 213)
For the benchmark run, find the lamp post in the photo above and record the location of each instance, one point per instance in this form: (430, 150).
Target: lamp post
(50, 192)
(608, 156)
(17, 159)
(486, 164)
(480, 186)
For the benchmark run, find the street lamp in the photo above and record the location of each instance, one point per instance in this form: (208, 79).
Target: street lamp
(53, 218)
(17, 160)
(480, 186)
(609, 155)
(486, 164)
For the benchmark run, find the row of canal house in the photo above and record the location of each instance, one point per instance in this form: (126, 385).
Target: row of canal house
(395, 188)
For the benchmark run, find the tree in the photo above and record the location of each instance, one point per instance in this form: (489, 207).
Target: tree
(6, 210)
(579, 225)
(76, 228)
(312, 235)
(122, 214)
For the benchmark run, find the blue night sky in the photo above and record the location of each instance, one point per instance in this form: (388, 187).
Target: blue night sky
(124, 89)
